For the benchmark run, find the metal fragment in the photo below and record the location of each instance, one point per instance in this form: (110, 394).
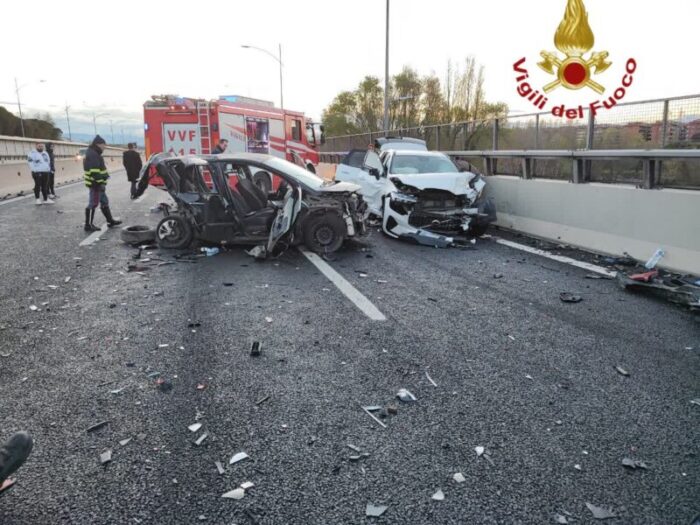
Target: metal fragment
(430, 379)
(125, 442)
(219, 467)
(374, 511)
(234, 494)
(201, 439)
(238, 457)
(194, 427)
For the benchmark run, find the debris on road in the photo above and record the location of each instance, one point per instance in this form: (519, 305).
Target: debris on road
(561, 519)
(634, 464)
(622, 371)
(406, 396)
(568, 297)
(262, 400)
(430, 379)
(655, 259)
(268, 319)
(392, 409)
(33, 307)
(219, 467)
(98, 426)
(479, 451)
(247, 485)
(164, 385)
(210, 252)
(201, 439)
(106, 457)
(238, 457)
(234, 494)
(459, 477)
(677, 289)
(600, 513)
(125, 442)
(195, 427)
(374, 511)
(372, 416)
(439, 495)
(255, 349)
(258, 252)
(598, 276)
(353, 447)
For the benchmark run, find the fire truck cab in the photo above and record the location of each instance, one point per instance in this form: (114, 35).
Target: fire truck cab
(188, 126)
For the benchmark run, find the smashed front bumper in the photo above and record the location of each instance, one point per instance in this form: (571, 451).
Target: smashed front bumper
(434, 221)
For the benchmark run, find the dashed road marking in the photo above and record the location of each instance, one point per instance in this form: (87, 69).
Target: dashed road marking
(559, 258)
(94, 236)
(359, 300)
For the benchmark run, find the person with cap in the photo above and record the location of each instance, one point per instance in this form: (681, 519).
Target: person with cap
(40, 166)
(52, 173)
(132, 163)
(12, 455)
(96, 176)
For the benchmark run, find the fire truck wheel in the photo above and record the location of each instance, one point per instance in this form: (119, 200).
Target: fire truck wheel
(138, 234)
(324, 233)
(174, 232)
(263, 181)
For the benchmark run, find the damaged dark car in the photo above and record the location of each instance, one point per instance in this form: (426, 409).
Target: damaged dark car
(218, 202)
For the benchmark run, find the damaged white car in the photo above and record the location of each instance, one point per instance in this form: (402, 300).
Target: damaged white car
(420, 195)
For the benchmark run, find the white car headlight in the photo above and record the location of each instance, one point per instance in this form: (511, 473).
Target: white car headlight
(403, 197)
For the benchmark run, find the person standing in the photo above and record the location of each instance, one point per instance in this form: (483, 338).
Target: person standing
(96, 176)
(52, 173)
(220, 147)
(40, 166)
(132, 163)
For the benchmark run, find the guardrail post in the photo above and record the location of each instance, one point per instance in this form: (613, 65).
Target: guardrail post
(577, 174)
(488, 166)
(527, 168)
(586, 167)
(494, 163)
(437, 138)
(650, 173)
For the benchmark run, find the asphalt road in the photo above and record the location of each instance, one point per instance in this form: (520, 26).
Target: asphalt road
(518, 372)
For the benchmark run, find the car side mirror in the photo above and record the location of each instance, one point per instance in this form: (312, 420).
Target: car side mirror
(374, 172)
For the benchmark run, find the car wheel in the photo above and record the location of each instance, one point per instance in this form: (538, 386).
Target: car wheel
(263, 181)
(324, 233)
(138, 234)
(174, 232)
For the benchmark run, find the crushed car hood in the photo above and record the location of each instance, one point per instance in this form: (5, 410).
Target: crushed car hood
(339, 187)
(456, 183)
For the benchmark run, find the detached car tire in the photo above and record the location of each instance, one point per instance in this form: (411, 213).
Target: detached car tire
(324, 233)
(138, 234)
(174, 232)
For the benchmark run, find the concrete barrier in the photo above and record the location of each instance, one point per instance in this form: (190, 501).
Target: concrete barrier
(15, 176)
(605, 218)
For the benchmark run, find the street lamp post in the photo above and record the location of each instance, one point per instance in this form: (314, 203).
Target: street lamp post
(279, 60)
(70, 136)
(19, 103)
(386, 73)
(94, 120)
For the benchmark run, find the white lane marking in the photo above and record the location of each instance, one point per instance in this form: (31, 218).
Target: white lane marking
(344, 286)
(15, 199)
(93, 237)
(559, 258)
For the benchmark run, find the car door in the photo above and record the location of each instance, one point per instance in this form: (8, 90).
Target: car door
(285, 218)
(370, 175)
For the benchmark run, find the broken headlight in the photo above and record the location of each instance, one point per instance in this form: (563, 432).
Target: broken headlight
(403, 197)
(403, 188)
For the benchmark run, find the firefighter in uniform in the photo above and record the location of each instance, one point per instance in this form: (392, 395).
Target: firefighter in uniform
(96, 181)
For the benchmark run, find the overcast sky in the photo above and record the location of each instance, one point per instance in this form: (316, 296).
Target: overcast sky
(110, 57)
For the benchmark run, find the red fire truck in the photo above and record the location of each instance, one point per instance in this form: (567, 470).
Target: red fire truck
(188, 126)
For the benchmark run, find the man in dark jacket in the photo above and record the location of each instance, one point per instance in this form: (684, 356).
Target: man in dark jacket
(132, 163)
(52, 173)
(96, 181)
(220, 147)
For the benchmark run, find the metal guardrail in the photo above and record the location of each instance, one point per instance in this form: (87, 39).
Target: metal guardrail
(14, 150)
(581, 160)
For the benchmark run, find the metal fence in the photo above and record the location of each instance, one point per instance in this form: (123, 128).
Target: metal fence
(671, 123)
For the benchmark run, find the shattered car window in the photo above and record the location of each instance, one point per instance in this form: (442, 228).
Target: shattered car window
(407, 164)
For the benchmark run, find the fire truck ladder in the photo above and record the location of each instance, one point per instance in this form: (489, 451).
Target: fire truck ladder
(204, 127)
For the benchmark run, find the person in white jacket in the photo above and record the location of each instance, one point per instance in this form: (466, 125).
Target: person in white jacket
(40, 166)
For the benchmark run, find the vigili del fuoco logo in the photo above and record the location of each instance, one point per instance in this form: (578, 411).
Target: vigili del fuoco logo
(574, 38)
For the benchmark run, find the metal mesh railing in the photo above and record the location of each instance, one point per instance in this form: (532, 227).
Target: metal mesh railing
(670, 123)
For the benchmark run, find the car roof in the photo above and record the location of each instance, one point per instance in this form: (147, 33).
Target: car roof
(417, 152)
